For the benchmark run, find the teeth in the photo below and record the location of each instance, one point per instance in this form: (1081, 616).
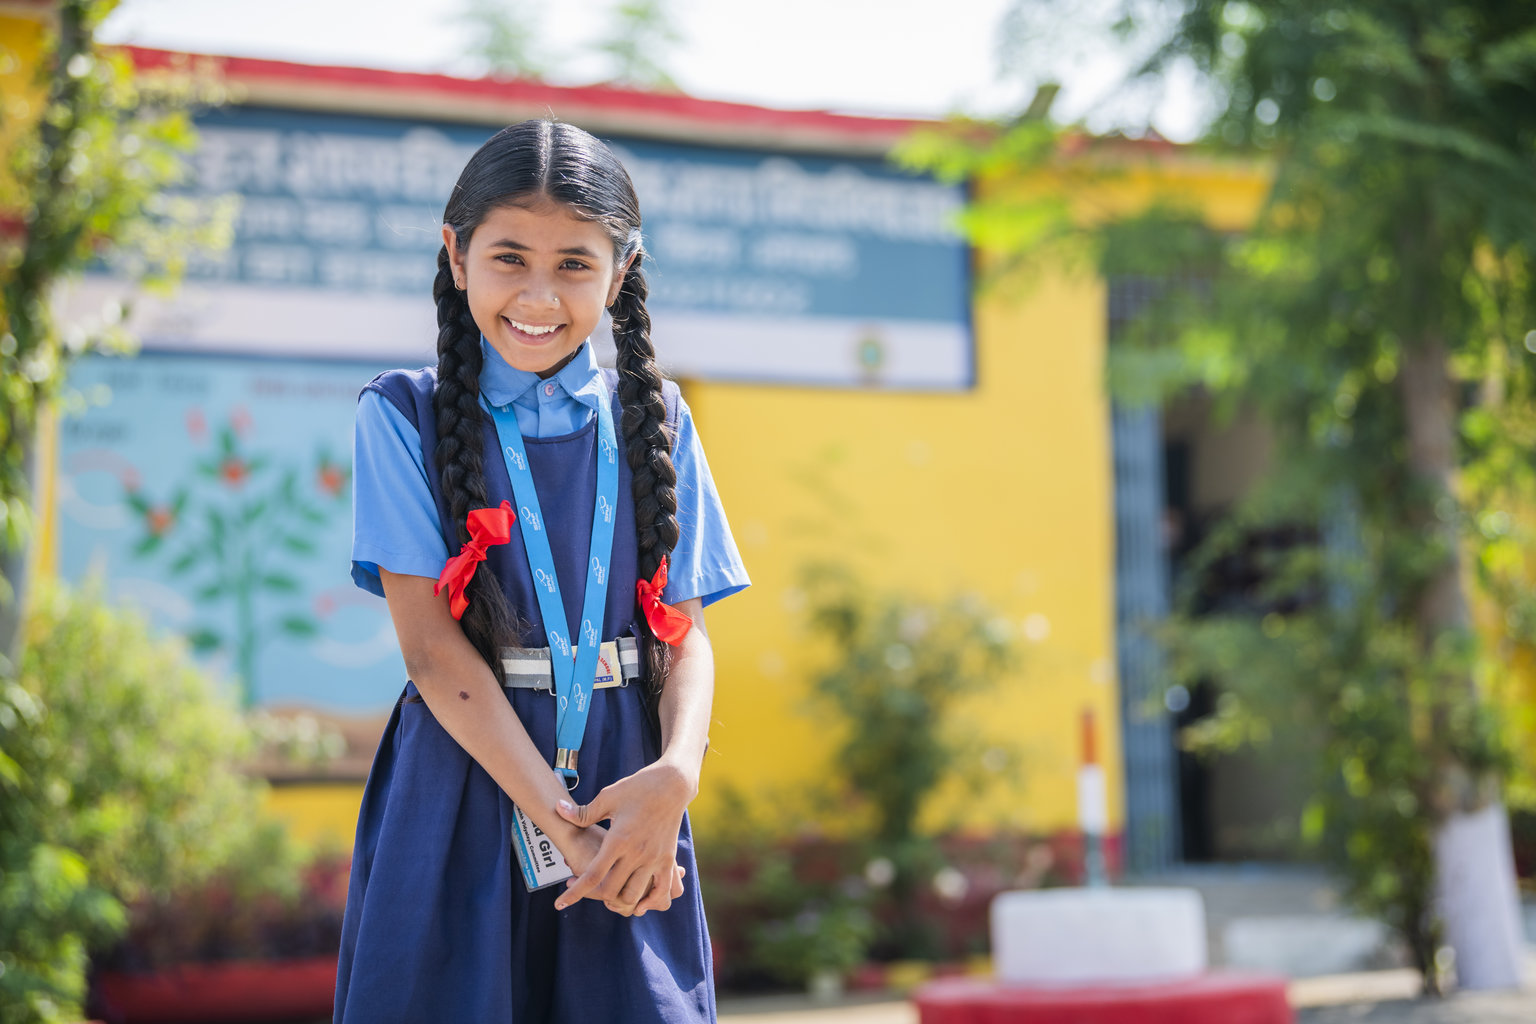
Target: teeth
(530, 329)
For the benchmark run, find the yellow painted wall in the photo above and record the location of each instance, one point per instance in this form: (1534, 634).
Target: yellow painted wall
(1003, 491)
(21, 47)
(323, 815)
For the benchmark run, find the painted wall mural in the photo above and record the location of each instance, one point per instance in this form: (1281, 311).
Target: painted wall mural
(215, 493)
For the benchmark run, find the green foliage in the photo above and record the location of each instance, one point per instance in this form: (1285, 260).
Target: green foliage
(120, 784)
(505, 37)
(807, 926)
(899, 669)
(639, 43)
(87, 181)
(1379, 315)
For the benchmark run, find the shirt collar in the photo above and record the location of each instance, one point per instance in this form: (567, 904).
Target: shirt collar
(502, 383)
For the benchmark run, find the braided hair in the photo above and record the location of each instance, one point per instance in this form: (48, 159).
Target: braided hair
(524, 165)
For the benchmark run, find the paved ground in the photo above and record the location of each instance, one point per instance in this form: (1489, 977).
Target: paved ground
(1374, 997)
(1463, 1008)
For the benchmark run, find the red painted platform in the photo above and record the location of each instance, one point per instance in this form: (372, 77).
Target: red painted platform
(1223, 997)
(237, 991)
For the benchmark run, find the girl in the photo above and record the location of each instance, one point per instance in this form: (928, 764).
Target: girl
(550, 688)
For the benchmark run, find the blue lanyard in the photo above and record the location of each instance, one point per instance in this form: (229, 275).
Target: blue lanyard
(573, 659)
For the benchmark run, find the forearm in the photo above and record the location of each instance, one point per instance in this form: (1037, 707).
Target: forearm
(469, 704)
(686, 702)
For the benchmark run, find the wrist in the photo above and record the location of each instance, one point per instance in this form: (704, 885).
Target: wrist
(682, 774)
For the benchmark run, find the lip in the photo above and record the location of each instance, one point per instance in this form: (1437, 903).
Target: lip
(534, 339)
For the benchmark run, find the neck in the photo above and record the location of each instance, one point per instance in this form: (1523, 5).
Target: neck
(562, 364)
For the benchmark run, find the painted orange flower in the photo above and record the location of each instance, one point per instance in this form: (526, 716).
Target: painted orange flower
(331, 479)
(234, 470)
(160, 519)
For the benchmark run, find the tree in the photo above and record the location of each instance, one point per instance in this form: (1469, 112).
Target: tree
(505, 37)
(1377, 315)
(639, 44)
(86, 184)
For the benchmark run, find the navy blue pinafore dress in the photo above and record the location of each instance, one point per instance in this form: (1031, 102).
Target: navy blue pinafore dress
(439, 926)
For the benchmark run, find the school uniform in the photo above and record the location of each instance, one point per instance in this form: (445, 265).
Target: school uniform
(439, 924)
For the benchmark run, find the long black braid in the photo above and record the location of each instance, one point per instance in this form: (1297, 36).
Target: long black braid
(488, 621)
(522, 165)
(646, 442)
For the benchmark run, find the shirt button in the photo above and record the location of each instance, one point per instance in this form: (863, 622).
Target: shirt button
(549, 389)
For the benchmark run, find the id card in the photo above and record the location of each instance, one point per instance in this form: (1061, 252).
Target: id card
(543, 865)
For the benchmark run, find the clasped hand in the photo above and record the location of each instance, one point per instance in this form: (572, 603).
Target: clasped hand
(634, 869)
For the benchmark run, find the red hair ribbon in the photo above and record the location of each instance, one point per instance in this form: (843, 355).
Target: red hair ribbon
(669, 624)
(487, 526)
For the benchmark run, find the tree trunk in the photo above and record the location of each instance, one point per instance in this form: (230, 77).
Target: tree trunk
(1474, 865)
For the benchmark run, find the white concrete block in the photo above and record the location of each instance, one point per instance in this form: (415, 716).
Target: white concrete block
(1071, 936)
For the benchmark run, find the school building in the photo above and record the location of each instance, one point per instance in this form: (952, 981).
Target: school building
(861, 400)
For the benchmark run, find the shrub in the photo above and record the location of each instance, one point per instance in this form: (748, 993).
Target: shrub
(899, 667)
(121, 784)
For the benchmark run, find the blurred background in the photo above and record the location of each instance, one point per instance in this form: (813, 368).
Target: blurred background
(1123, 411)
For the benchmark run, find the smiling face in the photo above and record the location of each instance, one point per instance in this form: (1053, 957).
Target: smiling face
(538, 279)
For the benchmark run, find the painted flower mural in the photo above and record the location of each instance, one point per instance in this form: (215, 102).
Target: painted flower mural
(230, 533)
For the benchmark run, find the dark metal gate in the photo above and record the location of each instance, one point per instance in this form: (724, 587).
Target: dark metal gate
(1141, 603)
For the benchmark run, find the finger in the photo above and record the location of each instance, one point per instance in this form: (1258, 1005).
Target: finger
(677, 882)
(586, 814)
(588, 881)
(618, 908)
(659, 898)
(634, 889)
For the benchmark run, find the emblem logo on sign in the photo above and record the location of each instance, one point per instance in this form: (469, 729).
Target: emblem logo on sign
(560, 644)
(588, 632)
(545, 580)
(597, 569)
(529, 517)
(602, 503)
(604, 671)
(580, 696)
(607, 448)
(514, 457)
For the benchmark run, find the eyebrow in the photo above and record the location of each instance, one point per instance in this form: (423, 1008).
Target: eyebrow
(507, 243)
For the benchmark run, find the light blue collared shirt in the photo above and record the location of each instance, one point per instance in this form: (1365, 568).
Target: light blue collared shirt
(394, 520)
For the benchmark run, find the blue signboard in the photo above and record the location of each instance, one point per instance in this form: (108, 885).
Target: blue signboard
(814, 269)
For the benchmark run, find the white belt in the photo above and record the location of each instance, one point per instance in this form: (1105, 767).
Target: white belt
(618, 661)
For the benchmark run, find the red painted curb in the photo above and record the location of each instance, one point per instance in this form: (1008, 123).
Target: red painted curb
(249, 991)
(1213, 998)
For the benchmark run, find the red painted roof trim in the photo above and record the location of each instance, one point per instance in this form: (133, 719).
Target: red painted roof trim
(492, 100)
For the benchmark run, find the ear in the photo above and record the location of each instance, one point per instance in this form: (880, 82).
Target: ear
(455, 260)
(618, 280)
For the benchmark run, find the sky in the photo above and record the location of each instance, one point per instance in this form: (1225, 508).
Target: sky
(898, 57)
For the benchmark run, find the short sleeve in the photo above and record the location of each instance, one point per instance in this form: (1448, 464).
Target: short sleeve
(705, 562)
(394, 520)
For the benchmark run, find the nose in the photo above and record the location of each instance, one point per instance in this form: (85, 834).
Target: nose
(539, 293)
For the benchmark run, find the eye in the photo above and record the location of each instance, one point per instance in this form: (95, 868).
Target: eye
(573, 264)
(509, 258)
